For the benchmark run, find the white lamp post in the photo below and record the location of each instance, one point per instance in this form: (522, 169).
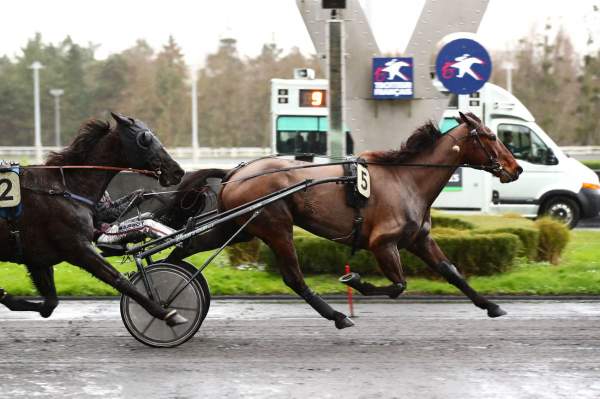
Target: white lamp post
(508, 66)
(36, 66)
(194, 114)
(56, 93)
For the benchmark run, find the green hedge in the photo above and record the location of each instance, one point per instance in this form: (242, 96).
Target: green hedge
(529, 239)
(448, 221)
(554, 237)
(592, 164)
(474, 254)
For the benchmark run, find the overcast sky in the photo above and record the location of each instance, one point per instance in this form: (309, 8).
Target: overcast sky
(197, 25)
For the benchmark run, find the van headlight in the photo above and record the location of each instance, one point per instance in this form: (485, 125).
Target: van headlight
(591, 186)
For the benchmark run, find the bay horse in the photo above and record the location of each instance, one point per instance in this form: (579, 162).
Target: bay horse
(57, 222)
(404, 184)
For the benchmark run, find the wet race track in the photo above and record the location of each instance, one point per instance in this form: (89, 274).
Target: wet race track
(275, 350)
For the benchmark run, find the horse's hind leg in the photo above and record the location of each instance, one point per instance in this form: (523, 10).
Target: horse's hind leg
(90, 260)
(428, 250)
(43, 278)
(388, 259)
(287, 260)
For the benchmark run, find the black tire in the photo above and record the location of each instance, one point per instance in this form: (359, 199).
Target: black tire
(165, 279)
(564, 209)
(200, 278)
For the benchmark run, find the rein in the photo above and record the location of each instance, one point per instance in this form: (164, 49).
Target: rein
(416, 165)
(72, 196)
(109, 168)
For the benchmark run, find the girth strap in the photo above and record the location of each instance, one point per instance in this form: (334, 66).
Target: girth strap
(14, 235)
(354, 199)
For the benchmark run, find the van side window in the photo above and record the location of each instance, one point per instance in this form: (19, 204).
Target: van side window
(524, 143)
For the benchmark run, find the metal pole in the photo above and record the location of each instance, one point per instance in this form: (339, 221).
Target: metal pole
(36, 66)
(335, 59)
(194, 115)
(57, 93)
(508, 66)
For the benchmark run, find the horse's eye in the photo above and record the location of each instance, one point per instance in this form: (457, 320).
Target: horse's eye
(145, 139)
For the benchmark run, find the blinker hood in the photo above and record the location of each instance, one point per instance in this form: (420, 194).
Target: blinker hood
(139, 143)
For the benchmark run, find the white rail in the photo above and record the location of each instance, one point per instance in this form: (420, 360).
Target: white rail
(176, 152)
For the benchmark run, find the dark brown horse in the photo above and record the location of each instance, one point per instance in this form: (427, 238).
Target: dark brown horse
(397, 214)
(58, 210)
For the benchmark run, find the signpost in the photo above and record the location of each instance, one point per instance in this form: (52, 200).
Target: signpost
(393, 78)
(463, 66)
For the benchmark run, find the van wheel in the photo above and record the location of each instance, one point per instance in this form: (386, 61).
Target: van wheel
(564, 209)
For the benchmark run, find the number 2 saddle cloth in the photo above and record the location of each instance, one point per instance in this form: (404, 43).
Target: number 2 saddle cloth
(8, 191)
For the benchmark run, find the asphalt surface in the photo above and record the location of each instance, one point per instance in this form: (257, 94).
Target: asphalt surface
(542, 349)
(589, 223)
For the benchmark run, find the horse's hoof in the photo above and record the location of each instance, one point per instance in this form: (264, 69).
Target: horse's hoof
(496, 311)
(344, 323)
(45, 313)
(350, 278)
(175, 319)
(398, 289)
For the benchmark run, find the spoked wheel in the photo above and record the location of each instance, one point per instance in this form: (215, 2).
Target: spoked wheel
(165, 280)
(201, 280)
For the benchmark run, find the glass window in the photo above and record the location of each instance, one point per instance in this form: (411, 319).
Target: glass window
(294, 142)
(524, 143)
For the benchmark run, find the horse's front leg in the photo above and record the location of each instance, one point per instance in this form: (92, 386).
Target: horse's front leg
(88, 259)
(43, 278)
(428, 250)
(388, 258)
(18, 304)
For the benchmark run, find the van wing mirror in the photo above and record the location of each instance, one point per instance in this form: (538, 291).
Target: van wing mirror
(551, 158)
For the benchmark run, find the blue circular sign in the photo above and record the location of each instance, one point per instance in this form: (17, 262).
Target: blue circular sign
(463, 66)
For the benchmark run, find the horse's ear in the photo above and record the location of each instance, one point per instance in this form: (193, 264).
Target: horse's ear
(121, 120)
(466, 119)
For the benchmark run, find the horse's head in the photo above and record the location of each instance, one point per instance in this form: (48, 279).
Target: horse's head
(483, 147)
(142, 150)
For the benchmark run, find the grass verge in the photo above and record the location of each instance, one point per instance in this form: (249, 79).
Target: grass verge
(578, 273)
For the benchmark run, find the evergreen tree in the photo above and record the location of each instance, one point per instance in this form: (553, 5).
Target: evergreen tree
(174, 121)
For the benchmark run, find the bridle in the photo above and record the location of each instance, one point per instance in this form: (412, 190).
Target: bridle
(137, 142)
(494, 165)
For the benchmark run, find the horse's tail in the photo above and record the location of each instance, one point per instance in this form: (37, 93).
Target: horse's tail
(215, 237)
(194, 195)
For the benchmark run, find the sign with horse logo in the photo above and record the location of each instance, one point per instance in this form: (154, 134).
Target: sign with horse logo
(10, 189)
(463, 66)
(393, 78)
(363, 181)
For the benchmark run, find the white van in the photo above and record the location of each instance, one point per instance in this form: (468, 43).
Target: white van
(551, 182)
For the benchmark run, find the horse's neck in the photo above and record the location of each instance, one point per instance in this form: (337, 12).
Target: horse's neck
(430, 181)
(92, 183)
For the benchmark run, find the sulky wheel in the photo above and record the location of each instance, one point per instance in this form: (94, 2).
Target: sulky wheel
(165, 279)
(201, 280)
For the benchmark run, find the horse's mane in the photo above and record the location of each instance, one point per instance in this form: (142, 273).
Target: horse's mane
(78, 151)
(422, 138)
